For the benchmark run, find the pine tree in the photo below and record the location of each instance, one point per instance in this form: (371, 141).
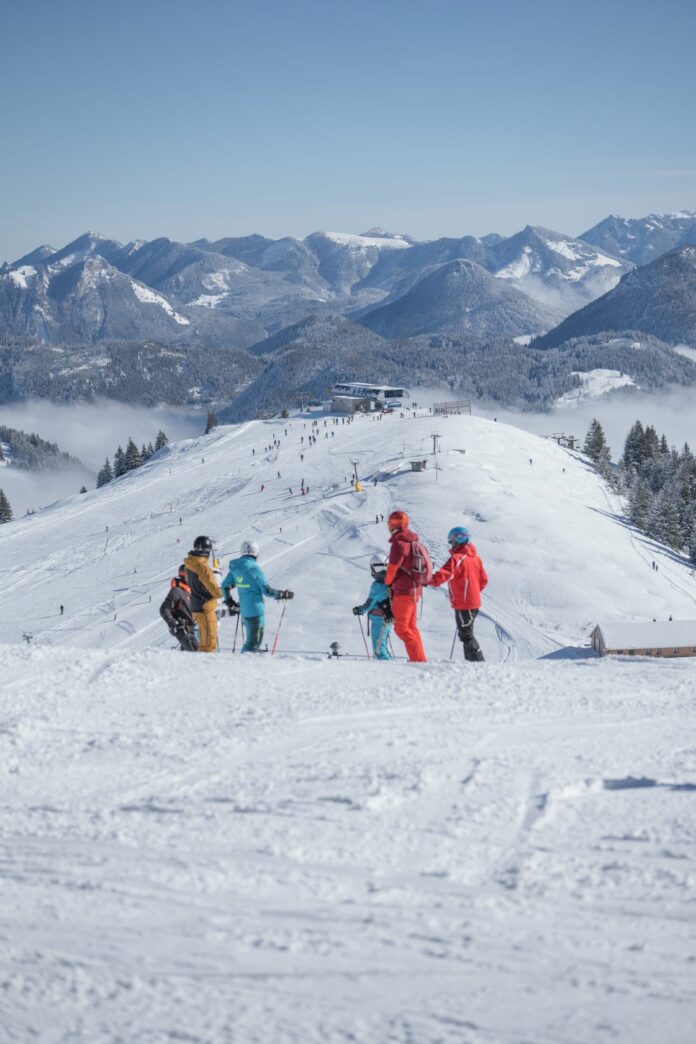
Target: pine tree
(160, 441)
(620, 478)
(133, 458)
(651, 444)
(143, 453)
(595, 442)
(105, 475)
(639, 502)
(633, 447)
(119, 463)
(211, 422)
(5, 509)
(150, 450)
(603, 462)
(662, 522)
(83, 489)
(691, 542)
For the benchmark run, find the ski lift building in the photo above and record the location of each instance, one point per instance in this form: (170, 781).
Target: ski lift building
(351, 404)
(662, 638)
(379, 392)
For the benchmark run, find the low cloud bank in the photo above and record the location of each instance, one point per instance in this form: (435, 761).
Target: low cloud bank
(672, 412)
(88, 431)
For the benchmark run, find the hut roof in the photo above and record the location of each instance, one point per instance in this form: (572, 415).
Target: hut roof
(663, 634)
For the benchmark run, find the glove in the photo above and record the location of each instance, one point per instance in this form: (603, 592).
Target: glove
(357, 610)
(232, 606)
(284, 596)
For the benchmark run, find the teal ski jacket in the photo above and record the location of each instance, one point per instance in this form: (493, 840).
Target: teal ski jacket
(248, 577)
(378, 593)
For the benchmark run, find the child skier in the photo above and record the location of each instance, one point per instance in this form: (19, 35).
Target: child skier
(204, 592)
(175, 610)
(248, 577)
(378, 609)
(466, 578)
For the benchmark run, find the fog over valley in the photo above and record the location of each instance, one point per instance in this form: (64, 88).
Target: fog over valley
(88, 431)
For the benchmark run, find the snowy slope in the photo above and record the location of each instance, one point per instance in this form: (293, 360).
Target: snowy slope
(293, 850)
(304, 852)
(595, 384)
(558, 558)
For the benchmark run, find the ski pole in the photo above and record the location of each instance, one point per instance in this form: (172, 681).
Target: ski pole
(364, 638)
(236, 630)
(280, 624)
(453, 641)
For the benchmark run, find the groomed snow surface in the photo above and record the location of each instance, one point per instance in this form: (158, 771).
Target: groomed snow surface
(292, 849)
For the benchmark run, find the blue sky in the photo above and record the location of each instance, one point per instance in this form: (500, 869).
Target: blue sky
(449, 117)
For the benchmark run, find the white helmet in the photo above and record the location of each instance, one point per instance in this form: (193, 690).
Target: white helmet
(378, 564)
(250, 547)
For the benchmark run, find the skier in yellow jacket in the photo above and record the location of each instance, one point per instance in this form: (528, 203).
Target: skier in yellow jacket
(205, 592)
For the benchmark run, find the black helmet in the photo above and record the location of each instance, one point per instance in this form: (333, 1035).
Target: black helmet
(182, 571)
(203, 543)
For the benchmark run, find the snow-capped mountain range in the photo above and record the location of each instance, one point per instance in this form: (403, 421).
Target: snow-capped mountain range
(641, 240)
(238, 290)
(658, 298)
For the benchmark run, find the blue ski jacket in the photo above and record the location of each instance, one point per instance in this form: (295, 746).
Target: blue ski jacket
(378, 593)
(247, 576)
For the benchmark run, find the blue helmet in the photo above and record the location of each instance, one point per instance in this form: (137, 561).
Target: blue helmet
(458, 535)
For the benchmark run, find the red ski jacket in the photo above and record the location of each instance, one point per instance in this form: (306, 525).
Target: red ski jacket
(465, 577)
(401, 564)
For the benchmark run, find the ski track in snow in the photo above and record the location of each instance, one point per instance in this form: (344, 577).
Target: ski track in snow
(294, 850)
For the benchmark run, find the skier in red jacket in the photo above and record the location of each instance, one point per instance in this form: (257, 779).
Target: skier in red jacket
(405, 584)
(466, 578)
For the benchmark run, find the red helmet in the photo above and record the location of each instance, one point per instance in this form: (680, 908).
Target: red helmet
(398, 520)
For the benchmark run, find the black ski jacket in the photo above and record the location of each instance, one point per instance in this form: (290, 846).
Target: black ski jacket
(175, 609)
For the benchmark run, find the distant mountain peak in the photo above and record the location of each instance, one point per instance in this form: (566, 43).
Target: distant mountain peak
(377, 232)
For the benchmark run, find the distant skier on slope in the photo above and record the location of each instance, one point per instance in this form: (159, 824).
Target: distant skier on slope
(204, 592)
(378, 608)
(466, 578)
(247, 576)
(409, 569)
(175, 610)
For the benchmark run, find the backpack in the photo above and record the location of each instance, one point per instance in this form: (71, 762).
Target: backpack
(421, 566)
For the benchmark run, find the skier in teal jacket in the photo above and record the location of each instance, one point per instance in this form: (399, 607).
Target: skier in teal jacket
(247, 576)
(378, 609)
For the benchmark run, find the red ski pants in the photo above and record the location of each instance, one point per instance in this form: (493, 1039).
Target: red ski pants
(404, 607)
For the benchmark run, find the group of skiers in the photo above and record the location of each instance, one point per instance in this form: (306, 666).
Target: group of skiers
(190, 609)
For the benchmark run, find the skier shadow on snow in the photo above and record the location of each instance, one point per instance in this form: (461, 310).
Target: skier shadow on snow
(644, 782)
